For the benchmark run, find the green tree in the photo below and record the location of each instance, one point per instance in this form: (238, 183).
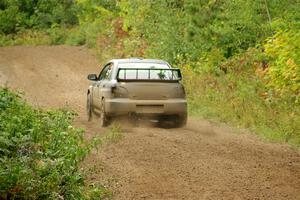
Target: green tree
(24, 14)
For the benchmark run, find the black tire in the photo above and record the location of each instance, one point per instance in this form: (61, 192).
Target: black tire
(104, 119)
(175, 121)
(89, 110)
(180, 121)
(167, 121)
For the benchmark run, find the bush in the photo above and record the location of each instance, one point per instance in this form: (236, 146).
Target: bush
(283, 53)
(8, 20)
(23, 14)
(39, 152)
(76, 37)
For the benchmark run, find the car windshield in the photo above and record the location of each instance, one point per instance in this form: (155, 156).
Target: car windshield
(146, 71)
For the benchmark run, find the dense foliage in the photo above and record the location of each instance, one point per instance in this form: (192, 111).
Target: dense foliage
(39, 153)
(16, 15)
(241, 54)
(284, 60)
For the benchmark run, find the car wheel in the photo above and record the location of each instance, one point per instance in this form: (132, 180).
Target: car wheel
(180, 121)
(104, 119)
(166, 122)
(174, 121)
(89, 107)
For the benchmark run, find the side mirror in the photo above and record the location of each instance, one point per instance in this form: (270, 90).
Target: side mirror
(92, 77)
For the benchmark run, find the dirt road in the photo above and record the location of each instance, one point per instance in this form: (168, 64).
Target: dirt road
(202, 161)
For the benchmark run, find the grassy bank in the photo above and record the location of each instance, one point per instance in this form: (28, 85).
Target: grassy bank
(40, 152)
(241, 98)
(237, 103)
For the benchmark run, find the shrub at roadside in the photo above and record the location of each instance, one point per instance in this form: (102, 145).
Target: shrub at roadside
(40, 152)
(242, 97)
(284, 63)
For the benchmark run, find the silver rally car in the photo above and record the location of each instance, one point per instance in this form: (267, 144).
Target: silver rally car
(138, 88)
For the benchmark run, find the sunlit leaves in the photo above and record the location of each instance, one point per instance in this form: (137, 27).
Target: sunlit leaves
(284, 62)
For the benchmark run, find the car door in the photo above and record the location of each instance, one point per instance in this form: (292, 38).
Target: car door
(101, 86)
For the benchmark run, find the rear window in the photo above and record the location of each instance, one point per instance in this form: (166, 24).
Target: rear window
(147, 71)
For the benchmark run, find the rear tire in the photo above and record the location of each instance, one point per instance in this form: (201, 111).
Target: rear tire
(180, 121)
(174, 121)
(89, 111)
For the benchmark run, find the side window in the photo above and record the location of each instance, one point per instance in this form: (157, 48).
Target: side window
(106, 72)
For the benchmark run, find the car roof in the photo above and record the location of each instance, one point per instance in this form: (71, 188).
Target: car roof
(139, 60)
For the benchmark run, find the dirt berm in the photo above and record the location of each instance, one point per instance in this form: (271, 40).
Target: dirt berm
(202, 161)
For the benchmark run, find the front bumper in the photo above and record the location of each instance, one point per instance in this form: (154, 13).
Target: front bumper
(124, 106)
